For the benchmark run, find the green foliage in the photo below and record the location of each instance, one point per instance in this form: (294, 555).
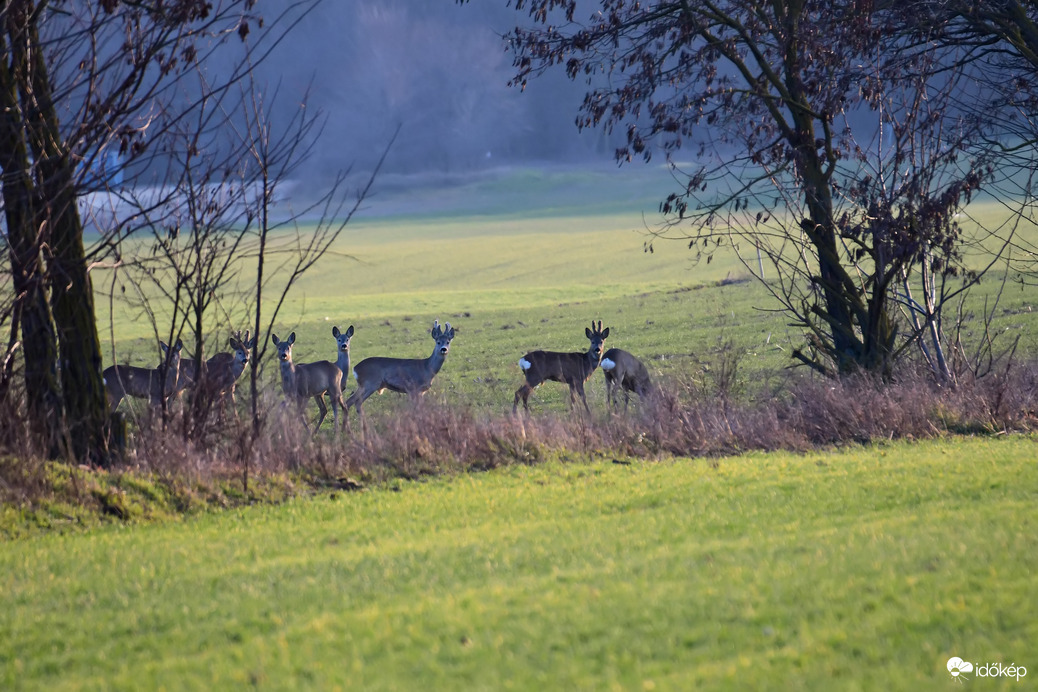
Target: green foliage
(861, 569)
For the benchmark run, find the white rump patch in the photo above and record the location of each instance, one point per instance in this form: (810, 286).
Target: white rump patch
(355, 375)
(525, 364)
(608, 364)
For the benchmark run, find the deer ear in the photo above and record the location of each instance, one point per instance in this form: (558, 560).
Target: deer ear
(587, 332)
(349, 332)
(274, 338)
(291, 338)
(252, 344)
(164, 346)
(605, 334)
(335, 332)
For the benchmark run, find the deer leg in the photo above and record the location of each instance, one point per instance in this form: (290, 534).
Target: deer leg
(580, 390)
(323, 409)
(336, 398)
(345, 412)
(301, 407)
(524, 392)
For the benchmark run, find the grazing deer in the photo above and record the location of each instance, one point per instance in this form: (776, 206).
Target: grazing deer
(221, 370)
(572, 368)
(342, 340)
(411, 376)
(624, 371)
(144, 383)
(305, 380)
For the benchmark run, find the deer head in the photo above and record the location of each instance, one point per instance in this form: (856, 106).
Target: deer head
(242, 347)
(343, 338)
(443, 337)
(284, 347)
(597, 335)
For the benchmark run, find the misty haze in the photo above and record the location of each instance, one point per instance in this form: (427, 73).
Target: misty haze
(439, 71)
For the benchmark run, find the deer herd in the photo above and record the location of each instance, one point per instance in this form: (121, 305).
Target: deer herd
(301, 382)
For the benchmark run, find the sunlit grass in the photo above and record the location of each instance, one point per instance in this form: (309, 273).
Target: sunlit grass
(512, 283)
(861, 569)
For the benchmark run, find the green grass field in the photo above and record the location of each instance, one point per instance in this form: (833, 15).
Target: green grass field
(866, 568)
(861, 568)
(523, 262)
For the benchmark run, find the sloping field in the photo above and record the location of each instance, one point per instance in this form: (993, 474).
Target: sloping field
(866, 568)
(526, 261)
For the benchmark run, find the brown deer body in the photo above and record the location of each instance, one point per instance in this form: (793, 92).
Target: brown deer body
(411, 376)
(572, 368)
(222, 370)
(156, 385)
(624, 371)
(303, 381)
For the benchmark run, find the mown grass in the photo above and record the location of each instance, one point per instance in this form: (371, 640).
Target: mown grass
(865, 568)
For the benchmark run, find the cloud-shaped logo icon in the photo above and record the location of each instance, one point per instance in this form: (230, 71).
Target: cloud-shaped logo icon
(956, 666)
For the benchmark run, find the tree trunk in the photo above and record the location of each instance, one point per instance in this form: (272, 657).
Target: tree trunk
(72, 301)
(72, 295)
(31, 310)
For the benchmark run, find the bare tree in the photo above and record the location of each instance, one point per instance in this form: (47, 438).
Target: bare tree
(80, 80)
(786, 106)
(275, 153)
(84, 84)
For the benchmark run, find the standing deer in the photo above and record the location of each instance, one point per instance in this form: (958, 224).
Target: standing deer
(342, 340)
(144, 383)
(411, 376)
(572, 368)
(221, 370)
(305, 380)
(624, 371)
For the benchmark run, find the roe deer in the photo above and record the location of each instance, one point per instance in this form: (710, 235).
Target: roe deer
(342, 340)
(626, 372)
(572, 368)
(305, 380)
(411, 376)
(157, 385)
(221, 370)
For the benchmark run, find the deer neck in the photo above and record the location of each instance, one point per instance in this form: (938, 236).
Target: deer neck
(288, 377)
(434, 362)
(344, 363)
(592, 362)
(171, 374)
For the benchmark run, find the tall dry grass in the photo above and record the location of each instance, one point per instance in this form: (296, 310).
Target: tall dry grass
(678, 419)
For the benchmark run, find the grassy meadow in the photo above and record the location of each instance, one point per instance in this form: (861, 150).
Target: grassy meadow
(526, 261)
(866, 568)
(858, 567)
